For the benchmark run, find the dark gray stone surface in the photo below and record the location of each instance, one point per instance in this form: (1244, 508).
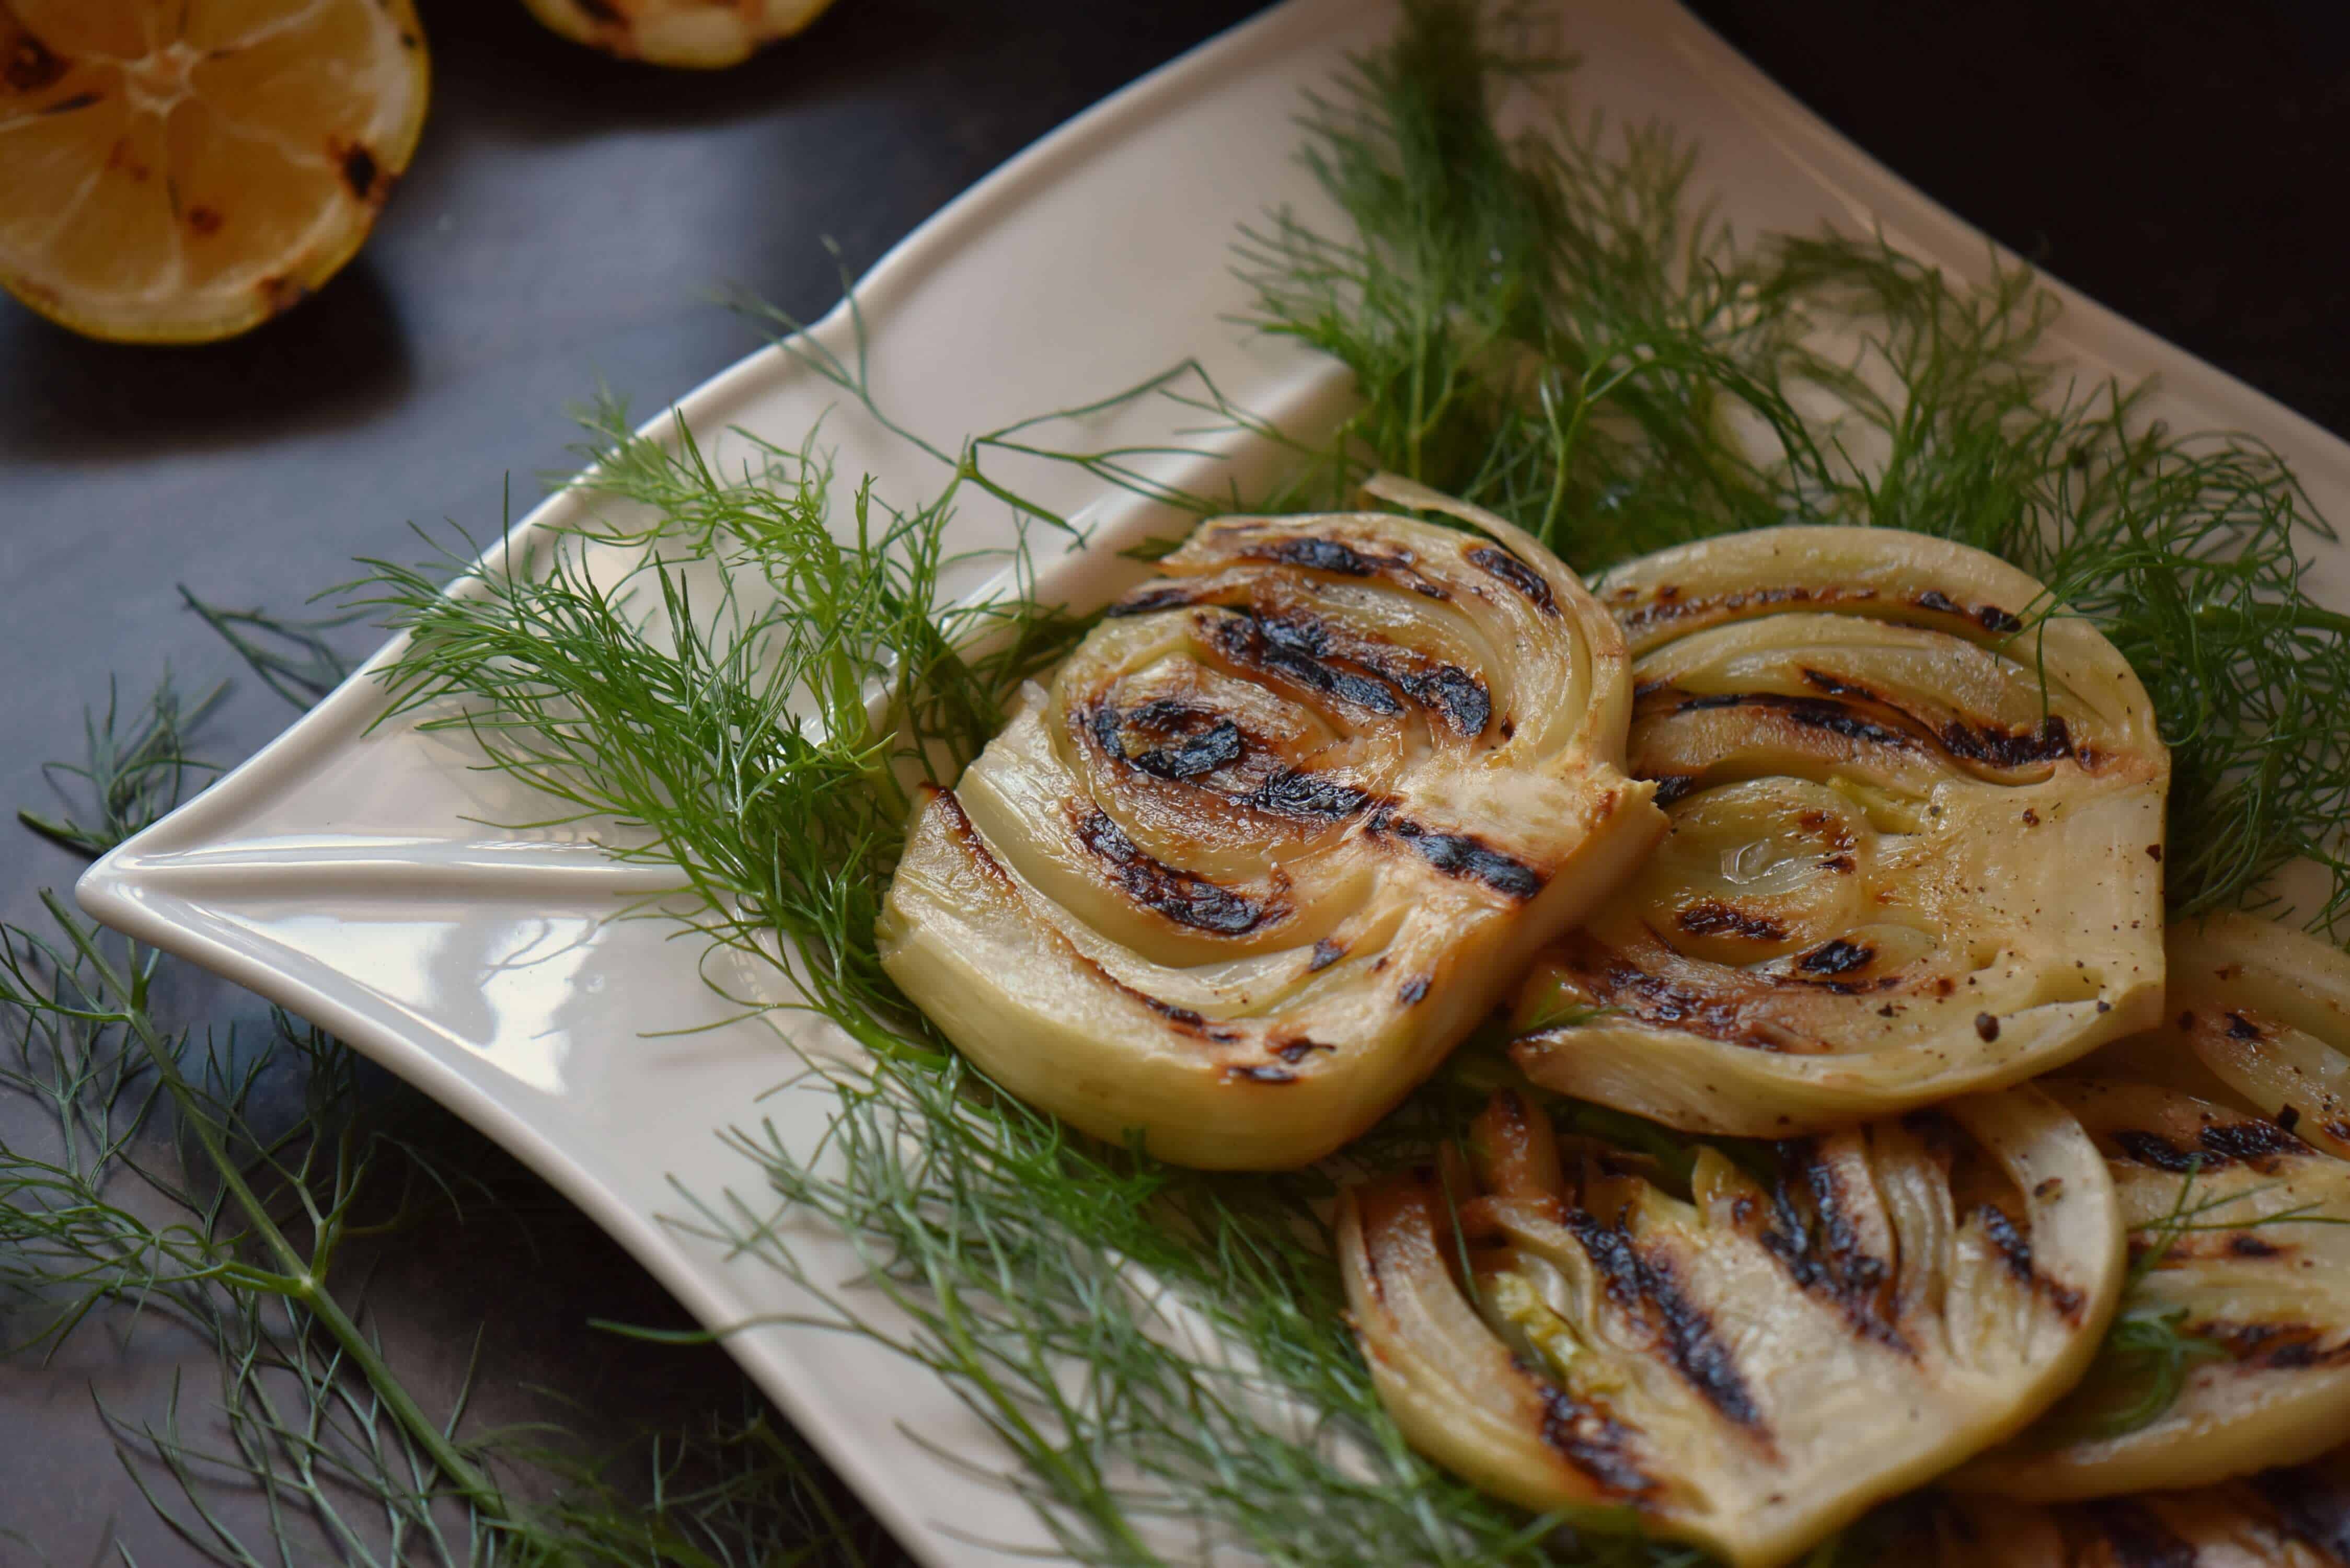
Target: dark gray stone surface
(562, 225)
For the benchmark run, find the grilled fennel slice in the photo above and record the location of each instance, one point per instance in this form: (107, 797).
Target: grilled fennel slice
(1753, 1367)
(1916, 846)
(2292, 1518)
(1285, 825)
(2243, 1228)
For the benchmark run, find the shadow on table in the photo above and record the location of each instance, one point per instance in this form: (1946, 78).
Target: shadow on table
(333, 360)
(529, 82)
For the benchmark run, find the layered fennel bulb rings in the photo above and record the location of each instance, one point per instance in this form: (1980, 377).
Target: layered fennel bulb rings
(2226, 1138)
(1745, 1365)
(1915, 848)
(2296, 1518)
(1281, 830)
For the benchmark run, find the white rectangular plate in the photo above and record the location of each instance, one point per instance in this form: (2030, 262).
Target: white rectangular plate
(344, 871)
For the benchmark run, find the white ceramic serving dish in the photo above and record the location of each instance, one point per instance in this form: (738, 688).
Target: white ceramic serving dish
(345, 871)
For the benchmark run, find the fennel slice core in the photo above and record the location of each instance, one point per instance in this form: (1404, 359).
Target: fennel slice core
(1915, 847)
(1278, 833)
(1752, 1366)
(2297, 1517)
(2228, 1149)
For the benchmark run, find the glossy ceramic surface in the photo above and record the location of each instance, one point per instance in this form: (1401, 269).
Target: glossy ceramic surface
(345, 872)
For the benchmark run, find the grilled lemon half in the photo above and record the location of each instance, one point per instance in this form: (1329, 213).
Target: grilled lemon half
(700, 35)
(178, 173)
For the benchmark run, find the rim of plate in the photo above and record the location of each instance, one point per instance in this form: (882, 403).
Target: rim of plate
(1872, 194)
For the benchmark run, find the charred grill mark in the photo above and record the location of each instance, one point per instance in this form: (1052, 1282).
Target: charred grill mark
(2244, 1244)
(2137, 1536)
(1166, 717)
(1674, 787)
(1497, 562)
(1413, 990)
(281, 294)
(2154, 1150)
(1315, 556)
(1204, 753)
(1299, 649)
(958, 824)
(1309, 797)
(1295, 1051)
(2001, 1231)
(1258, 1073)
(1836, 686)
(1326, 953)
(1623, 986)
(1143, 601)
(2255, 1144)
(1667, 607)
(2010, 749)
(1190, 752)
(1461, 855)
(30, 64)
(1813, 713)
(360, 171)
(1167, 1009)
(2242, 1028)
(1183, 1018)
(1838, 957)
(1445, 689)
(2310, 1507)
(1718, 920)
(1986, 744)
(1181, 896)
(1827, 1257)
(1591, 1440)
(1343, 560)
(2015, 1249)
(1451, 690)
(1643, 1286)
(2274, 1346)
(67, 104)
(1991, 617)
